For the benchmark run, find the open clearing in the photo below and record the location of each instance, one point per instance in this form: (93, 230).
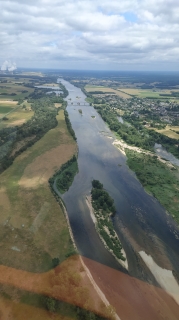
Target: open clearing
(8, 102)
(57, 105)
(17, 117)
(170, 131)
(89, 88)
(14, 91)
(26, 189)
(7, 106)
(150, 93)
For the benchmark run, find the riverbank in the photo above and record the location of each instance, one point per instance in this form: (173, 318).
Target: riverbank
(121, 145)
(158, 179)
(163, 276)
(90, 207)
(109, 308)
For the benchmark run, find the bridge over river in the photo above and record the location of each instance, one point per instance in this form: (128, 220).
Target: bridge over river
(75, 103)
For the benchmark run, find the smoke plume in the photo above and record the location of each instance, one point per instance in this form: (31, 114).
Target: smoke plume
(8, 66)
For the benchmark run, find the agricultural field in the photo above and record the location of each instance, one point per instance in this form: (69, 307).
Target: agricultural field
(17, 115)
(106, 90)
(14, 91)
(32, 73)
(150, 93)
(35, 238)
(170, 131)
(6, 107)
(29, 213)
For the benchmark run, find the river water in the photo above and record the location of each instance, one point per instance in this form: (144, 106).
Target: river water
(56, 90)
(141, 222)
(162, 152)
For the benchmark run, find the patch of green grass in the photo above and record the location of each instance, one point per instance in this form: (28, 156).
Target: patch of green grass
(158, 179)
(90, 100)
(5, 109)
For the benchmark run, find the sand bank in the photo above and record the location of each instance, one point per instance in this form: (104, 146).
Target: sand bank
(123, 263)
(163, 276)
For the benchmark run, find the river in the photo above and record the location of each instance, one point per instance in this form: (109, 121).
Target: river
(162, 152)
(141, 222)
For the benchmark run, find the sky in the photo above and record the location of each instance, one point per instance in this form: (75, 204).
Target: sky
(90, 34)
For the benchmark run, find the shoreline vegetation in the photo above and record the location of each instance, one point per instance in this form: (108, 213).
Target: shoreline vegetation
(69, 126)
(134, 134)
(61, 181)
(62, 205)
(65, 176)
(137, 145)
(157, 178)
(156, 175)
(101, 209)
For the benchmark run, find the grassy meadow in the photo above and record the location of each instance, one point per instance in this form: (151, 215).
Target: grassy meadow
(106, 90)
(14, 91)
(150, 93)
(17, 116)
(170, 131)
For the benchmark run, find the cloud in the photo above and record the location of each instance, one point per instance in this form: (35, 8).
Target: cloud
(90, 34)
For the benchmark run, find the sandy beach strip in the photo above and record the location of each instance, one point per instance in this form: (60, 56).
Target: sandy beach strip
(90, 207)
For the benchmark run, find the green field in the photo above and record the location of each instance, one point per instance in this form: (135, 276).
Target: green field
(14, 90)
(16, 117)
(150, 93)
(5, 109)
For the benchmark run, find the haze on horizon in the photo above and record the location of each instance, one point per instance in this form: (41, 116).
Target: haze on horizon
(91, 34)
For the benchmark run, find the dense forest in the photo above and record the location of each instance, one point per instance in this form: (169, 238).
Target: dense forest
(66, 175)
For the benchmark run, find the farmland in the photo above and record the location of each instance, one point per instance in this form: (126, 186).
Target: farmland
(16, 116)
(106, 90)
(150, 93)
(13, 90)
(170, 131)
(25, 196)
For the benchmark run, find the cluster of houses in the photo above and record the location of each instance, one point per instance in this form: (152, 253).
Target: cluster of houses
(167, 111)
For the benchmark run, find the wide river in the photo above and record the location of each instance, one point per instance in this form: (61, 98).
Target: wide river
(141, 222)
